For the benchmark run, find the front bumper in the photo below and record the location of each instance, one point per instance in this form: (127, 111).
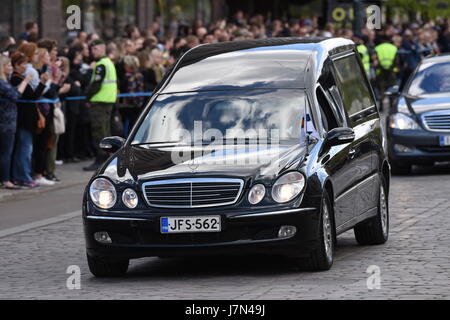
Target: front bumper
(423, 146)
(242, 233)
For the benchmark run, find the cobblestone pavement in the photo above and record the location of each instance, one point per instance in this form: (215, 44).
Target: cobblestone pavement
(414, 264)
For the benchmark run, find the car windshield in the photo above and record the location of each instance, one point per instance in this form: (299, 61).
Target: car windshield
(431, 78)
(272, 114)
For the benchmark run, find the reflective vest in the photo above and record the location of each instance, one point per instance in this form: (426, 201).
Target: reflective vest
(386, 53)
(362, 50)
(108, 90)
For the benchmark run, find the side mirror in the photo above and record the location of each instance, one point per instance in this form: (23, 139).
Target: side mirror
(111, 144)
(392, 91)
(338, 136)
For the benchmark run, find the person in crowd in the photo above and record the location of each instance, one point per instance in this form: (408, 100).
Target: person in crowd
(29, 49)
(31, 30)
(101, 94)
(27, 122)
(62, 87)
(72, 108)
(44, 142)
(409, 55)
(7, 44)
(8, 118)
(157, 64)
(386, 62)
(145, 67)
(134, 83)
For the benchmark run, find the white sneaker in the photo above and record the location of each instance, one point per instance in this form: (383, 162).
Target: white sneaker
(59, 162)
(44, 182)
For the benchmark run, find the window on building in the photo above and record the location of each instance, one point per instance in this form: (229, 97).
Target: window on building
(5, 19)
(22, 12)
(108, 18)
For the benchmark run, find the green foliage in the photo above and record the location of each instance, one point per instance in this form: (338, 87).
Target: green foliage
(430, 9)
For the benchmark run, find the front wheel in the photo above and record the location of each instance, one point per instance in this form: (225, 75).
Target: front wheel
(107, 268)
(376, 230)
(322, 258)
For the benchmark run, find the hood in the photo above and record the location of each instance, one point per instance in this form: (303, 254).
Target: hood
(249, 161)
(428, 103)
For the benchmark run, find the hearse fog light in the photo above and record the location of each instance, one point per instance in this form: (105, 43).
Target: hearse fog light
(288, 186)
(130, 198)
(102, 237)
(102, 193)
(287, 231)
(256, 193)
(399, 148)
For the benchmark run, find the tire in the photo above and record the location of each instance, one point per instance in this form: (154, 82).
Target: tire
(400, 169)
(376, 230)
(322, 257)
(107, 268)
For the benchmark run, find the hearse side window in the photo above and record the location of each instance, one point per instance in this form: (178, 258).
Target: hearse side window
(352, 85)
(328, 119)
(331, 92)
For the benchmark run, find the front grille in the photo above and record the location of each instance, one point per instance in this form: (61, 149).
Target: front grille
(437, 121)
(192, 193)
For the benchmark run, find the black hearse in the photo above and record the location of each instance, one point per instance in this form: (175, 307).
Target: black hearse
(260, 146)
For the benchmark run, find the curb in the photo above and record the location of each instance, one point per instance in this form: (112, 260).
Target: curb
(22, 194)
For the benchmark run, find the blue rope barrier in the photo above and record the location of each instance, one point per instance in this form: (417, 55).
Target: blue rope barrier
(121, 95)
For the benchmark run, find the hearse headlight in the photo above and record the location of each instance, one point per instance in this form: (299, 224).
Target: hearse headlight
(130, 198)
(103, 193)
(401, 121)
(256, 194)
(288, 186)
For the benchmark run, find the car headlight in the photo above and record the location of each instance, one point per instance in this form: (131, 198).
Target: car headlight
(130, 198)
(288, 186)
(103, 193)
(256, 193)
(401, 121)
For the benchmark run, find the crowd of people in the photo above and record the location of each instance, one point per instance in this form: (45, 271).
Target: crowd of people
(58, 100)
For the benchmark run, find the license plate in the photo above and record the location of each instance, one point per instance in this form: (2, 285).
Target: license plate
(190, 224)
(444, 141)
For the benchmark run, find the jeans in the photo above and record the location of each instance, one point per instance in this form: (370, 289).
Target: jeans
(21, 170)
(6, 150)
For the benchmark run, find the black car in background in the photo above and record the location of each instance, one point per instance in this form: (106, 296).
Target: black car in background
(418, 127)
(261, 146)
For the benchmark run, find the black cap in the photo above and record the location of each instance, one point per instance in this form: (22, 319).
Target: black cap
(96, 43)
(358, 35)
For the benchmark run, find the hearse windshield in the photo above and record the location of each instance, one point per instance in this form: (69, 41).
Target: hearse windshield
(271, 114)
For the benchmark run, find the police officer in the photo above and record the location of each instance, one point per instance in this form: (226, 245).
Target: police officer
(363, 52)
(101, 94)
(386, 66)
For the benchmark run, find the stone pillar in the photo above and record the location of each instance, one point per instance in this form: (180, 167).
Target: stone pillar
(144, 13)
(218, 10)
(52, 19)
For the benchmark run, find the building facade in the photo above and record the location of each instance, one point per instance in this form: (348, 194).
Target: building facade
(106, 17)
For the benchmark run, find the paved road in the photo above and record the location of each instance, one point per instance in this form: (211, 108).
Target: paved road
(414, 264)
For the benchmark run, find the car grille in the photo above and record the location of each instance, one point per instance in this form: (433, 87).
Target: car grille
(192, 193)
(437, 121)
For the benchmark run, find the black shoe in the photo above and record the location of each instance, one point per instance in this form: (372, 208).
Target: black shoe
(52, 177)
(93, 167)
